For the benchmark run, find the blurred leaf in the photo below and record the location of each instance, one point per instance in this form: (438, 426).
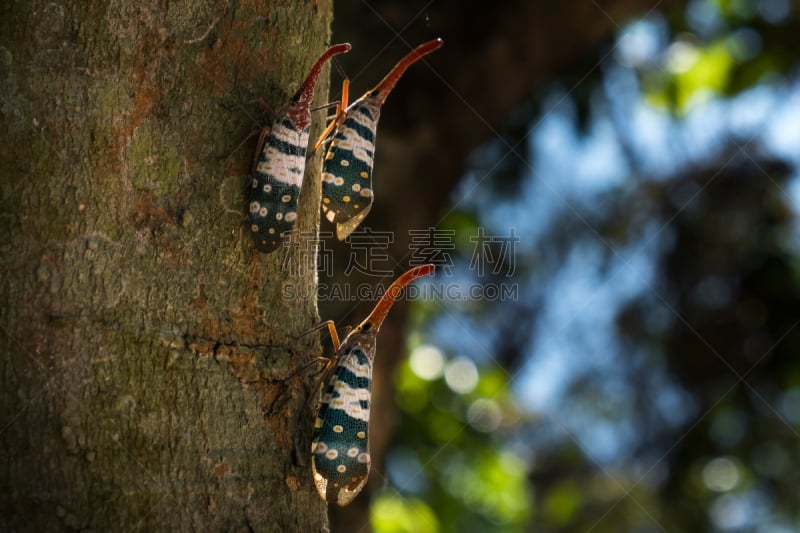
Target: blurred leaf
(709, 73)
(391, 513)
(492, 483)
(562, 503)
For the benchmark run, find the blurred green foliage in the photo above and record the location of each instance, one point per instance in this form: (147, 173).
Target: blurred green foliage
(475, 484)
(710, 415)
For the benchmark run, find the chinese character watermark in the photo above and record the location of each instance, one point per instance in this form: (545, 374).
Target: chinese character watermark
(369, 254)
(310, 253)
(432, 245)
(495, 251)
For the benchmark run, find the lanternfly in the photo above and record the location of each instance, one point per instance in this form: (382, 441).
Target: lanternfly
(340, 449)
(347, 169)
(278, 173)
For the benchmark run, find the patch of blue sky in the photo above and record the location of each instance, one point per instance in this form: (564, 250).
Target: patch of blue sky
(576, 332)
(642, 41)
(751, 110)
(704, 17)
(704, 131)
(782, 131)
(572, 173)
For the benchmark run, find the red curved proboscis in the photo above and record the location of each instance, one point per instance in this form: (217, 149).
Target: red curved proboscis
(382, 90)
(306, 92)
(383, 306)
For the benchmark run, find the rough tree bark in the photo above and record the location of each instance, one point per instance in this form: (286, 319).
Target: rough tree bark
(148, 352)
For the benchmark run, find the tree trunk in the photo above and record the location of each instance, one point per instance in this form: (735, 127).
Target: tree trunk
(151, 361)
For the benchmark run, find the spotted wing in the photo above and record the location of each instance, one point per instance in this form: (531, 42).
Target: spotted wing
(340, 449)
(276, 185)
(347, 169)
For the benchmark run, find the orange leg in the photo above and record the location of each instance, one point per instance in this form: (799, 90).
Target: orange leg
(331, 329)
(329, 363)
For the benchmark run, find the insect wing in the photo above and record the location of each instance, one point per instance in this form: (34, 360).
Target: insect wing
(346, 228)
(340, 449)
(276, 185)
(347, 170)
(279, 171)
